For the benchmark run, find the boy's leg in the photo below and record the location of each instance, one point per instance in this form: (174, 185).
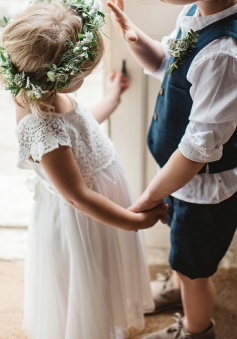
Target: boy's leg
(198, 297)
(200, 237)
(176, 279)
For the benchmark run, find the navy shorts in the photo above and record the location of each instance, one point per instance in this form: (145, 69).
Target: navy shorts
(200, 235)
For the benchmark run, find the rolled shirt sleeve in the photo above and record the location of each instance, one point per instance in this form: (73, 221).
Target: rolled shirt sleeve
(204, 142)
(213, 117)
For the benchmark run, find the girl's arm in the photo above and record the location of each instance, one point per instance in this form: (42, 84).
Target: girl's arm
(147, 52)
(177, 172)
(65, 175)
(115, 85)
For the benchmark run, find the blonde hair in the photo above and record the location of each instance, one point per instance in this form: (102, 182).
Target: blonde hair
(37, 37)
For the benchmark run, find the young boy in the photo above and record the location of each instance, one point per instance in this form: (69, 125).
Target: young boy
(193, 138)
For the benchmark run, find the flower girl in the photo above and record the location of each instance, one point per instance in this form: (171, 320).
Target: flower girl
(86, 277)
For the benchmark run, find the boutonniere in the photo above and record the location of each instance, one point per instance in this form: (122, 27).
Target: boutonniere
(180, 48)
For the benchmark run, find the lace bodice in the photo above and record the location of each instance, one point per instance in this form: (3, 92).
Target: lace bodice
(92, 149)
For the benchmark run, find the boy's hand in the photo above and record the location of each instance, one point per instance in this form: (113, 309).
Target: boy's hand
(121, 21)
(115, 85)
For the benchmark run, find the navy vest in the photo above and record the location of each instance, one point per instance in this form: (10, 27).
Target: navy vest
(174, 103)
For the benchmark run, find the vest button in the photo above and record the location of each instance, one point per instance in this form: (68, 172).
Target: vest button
(162, 91)
(155, 116)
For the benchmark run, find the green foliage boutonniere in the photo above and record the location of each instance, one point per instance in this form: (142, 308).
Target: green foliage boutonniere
(179, 48)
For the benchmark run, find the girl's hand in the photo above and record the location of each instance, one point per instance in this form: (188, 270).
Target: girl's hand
(121, 21)
(149, 218)
(115, 85)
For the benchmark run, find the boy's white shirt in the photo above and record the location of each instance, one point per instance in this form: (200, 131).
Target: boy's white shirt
(213, 118)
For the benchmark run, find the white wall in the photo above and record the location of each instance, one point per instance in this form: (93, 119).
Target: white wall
(129, 125)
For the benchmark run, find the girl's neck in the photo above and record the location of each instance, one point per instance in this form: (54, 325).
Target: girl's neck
(213, 6)
(63, 103)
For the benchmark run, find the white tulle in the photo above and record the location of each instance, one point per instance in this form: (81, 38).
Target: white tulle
(83, 279)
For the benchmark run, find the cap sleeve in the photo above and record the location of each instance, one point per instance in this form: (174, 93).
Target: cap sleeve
(37, 136)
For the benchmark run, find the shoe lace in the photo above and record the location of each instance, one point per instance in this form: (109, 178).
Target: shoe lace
(164, 278)
(176, 328)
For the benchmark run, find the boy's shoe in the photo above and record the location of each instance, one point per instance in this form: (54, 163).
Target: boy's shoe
(165, 295)
(178, 331)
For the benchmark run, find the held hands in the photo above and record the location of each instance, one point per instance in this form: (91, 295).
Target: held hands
(121, 21)
(150, 217)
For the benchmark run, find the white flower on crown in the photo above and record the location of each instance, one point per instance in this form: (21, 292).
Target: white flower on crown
(34, 91)
(51, 76)
(89, 36)
(19, 79)
(98, 21)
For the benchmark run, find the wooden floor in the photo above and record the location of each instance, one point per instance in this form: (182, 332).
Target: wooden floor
(11, 304)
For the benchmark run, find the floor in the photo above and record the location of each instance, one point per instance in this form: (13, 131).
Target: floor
(11, 306)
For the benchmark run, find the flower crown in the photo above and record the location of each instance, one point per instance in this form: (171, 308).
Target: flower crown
(60, 75)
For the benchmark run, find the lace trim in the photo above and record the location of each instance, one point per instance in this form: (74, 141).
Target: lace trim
(37, 137)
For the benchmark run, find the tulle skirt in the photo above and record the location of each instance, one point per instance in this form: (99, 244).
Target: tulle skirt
(83, 279)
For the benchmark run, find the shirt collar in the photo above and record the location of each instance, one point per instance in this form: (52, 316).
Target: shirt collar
(197, 23)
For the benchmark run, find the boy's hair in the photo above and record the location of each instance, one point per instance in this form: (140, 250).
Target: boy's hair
(38, 37)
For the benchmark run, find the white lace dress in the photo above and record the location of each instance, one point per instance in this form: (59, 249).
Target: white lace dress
(83, 280)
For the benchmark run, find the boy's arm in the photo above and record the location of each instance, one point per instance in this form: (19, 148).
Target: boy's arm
(213, 121)
(147, 52)
(177, 172)
(116, 84)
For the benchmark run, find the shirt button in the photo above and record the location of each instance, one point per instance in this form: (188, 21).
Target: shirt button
(162, 91)
(155, 116)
